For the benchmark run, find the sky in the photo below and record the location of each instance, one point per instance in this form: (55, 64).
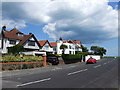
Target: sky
(93, 22)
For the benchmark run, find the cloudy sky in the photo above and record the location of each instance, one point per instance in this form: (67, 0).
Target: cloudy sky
(93, 22)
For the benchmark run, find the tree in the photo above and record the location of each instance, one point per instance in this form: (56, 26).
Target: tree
(16, 49)
(84, 49)
(98, 50)
(63, 46)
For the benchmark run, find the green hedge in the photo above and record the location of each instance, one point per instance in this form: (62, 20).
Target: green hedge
(70, 58)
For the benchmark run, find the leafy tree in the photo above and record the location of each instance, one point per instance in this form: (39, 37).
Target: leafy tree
(84, 49)
(16, 49)
(98, 50)
(63, 46)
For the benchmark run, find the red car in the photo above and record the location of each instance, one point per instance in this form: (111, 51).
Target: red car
(91, 60)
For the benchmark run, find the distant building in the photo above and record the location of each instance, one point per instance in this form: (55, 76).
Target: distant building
(73, 46)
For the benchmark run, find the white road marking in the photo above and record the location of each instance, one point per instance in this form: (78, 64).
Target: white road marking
(105, 63)
(97, 66)
(77, 72)
(72, 66)
(33, 82)
(18, 78)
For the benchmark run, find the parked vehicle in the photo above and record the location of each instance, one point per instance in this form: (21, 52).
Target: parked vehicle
(53, 59)
(91, 60)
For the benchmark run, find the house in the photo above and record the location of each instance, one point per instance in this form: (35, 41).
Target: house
(32, 46)
(14, 37)
(73, 46)
(54, 46)
(45, 46)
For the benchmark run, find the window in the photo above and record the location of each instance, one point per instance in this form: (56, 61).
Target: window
(70, 47)
(12, 41)
(20, 35)
(31, 43)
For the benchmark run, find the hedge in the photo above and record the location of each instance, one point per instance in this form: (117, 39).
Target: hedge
(71, 58)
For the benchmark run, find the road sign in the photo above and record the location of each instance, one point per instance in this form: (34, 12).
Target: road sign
(20, 53)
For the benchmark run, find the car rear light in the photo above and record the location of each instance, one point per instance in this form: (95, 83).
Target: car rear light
(53, 59)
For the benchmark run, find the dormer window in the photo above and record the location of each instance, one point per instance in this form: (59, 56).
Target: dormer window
(20, 35)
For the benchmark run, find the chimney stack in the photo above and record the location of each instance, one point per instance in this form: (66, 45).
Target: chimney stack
(30, 33)
(4, 28)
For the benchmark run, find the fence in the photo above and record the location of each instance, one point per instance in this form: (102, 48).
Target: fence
(97, 57)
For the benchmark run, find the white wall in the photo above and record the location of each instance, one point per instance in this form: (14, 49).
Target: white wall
(47, 47)
(68, 50)
(97, 57)
(4, 50)
(31, 47)
(34, 53)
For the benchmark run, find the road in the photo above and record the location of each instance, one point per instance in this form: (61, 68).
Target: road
(103, 74)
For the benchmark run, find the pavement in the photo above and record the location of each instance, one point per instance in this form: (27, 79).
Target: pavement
(39, 70)
(103, 74)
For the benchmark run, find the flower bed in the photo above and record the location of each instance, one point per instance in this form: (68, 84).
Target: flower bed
(12, 62)
(12, 58)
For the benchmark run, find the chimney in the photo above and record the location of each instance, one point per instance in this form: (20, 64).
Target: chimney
(60, 38)
(4, 28)
(30, 33)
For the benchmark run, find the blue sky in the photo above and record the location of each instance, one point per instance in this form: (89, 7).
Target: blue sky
(51, 19)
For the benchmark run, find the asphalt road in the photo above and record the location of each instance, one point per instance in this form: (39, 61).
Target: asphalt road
(103, 74)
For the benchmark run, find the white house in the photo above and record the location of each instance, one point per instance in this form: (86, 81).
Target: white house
(45, 46)
(14, 37)
(73, 46)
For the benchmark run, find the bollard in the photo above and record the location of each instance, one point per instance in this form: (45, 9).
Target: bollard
(44, 58)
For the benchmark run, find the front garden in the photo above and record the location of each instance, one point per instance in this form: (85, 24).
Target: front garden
(14, 62)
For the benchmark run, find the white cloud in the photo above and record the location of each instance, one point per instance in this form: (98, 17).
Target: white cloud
(84, 20)
(11, 23)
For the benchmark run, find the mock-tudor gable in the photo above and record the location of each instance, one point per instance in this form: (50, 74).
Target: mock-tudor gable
(31, 43)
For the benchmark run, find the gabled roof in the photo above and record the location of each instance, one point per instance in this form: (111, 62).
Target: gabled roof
(25, 38)
(42, 43)
(72, 41)
(53, 44)
(76, 41)
(13, 34)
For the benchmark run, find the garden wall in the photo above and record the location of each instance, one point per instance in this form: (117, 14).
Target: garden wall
(21, 65)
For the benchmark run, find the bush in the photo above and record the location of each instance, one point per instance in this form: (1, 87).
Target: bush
(10, 58)
(16, 49)
(13, 58)
(24, 66)
(70, 58)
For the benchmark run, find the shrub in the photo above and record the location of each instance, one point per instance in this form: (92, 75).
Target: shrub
(24, 66)
(32, 58)
(13, 58)
(10, 58)
(16, 49)
(70, 58)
